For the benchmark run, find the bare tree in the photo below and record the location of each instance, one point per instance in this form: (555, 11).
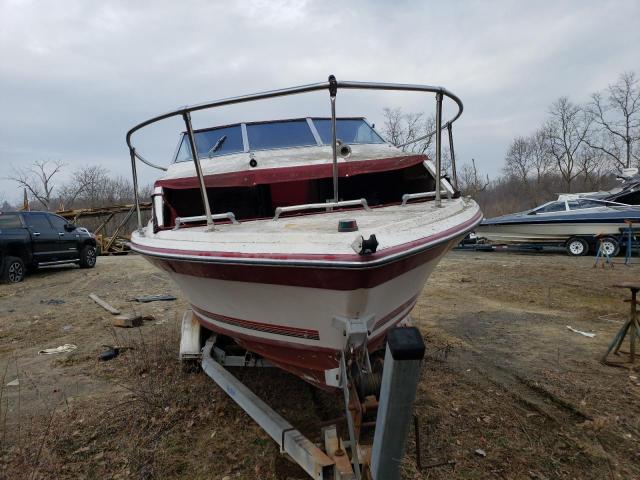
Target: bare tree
(400, 128)
(616, 111)
(38, 179)
(92, 186)
(542, 162)
(566, 132)
(518, 161)
(471, 180)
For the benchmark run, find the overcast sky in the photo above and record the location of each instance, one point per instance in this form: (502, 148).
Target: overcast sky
(75, 75)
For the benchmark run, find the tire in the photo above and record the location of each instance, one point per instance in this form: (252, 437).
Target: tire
(88, 257)
(611, 246)
(577, 247)
(13, 270)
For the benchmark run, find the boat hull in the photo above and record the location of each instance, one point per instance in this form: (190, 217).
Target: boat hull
(291, 320)
(545, 232)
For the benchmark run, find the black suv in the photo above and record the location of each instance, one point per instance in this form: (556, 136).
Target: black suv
(29, 240)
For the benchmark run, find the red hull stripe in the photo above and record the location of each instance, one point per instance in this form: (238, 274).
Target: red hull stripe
(409, 304)
(262, 327)
(309, 277)
(258, 176)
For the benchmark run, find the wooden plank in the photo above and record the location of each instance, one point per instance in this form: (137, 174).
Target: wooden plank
(103, 304)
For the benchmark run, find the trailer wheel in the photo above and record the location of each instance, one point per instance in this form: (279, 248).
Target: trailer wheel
(12, 270)
(577, 247)
(610, 245)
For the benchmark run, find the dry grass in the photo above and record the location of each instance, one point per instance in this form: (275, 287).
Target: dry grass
(161, 424)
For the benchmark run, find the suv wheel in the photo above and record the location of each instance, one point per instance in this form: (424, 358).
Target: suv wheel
(88, 256)
(12, 270)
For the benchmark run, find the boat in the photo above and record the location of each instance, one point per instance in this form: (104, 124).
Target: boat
(628, 192)
(301, 239)
(575, 222)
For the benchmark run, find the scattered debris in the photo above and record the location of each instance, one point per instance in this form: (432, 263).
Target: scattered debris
(154, 298)
(440, 464)
(161, 322)
(66, 348)
(13, 383)
(586, 334)
(52, 301)
(480, 452)
(103, 304)
(111, 352)
(129, 320)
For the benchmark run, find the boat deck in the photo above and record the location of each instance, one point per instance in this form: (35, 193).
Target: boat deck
(318, 233)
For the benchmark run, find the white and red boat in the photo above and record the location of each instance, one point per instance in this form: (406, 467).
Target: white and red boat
(317, 230)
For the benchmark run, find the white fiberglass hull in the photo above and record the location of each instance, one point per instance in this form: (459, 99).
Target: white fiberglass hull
(545, 232)
(292, 307)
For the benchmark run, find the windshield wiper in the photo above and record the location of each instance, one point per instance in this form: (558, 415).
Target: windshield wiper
(217, 145)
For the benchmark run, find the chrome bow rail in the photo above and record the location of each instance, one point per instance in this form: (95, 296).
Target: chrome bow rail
(332, 85)
(329, 205)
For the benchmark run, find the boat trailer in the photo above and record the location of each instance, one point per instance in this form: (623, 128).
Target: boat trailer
(340, 458)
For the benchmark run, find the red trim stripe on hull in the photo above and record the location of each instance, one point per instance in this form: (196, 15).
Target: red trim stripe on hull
(250, 178)
(310, 277)
(323, 275)
(305, 361)
(261, 327)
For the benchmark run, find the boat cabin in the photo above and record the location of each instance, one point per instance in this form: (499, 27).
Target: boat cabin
(251, 169)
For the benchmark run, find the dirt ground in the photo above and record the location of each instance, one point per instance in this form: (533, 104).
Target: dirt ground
(503, 374)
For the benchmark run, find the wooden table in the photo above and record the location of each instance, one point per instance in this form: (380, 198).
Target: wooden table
(631, 326)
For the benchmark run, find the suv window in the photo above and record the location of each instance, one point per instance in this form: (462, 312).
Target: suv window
(57, 222)
(10, 220)
(37, 222)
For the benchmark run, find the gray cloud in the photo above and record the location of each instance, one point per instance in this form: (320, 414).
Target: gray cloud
(76, 75)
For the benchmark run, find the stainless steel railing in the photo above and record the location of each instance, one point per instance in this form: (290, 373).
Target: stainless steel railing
(332, 85)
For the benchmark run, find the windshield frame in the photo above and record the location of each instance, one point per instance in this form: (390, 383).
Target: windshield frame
(246, 142)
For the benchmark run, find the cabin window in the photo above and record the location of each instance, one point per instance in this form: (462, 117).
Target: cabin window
(348, 130)
(291, 133)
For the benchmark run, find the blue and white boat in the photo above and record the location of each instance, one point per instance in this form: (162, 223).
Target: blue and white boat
(575, 223)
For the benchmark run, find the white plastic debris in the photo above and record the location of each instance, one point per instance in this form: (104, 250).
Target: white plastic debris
(13, 383)
(586, 334)
(67, 347)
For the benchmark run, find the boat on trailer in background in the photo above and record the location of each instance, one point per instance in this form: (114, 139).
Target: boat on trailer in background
(305, 240)
(576, 222)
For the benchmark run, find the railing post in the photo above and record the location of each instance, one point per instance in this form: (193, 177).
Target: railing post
(454, 172)
(438, 147)
(134, 172)
(196, 161)
(333, 89)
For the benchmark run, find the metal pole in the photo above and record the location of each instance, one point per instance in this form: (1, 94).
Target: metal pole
(132, 152)
(438, 146)
(333, 89)
(454, 172)
(196, 162)
(400, 375)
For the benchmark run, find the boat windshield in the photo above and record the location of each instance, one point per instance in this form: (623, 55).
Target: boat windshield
(226, 140)
(551, 207)
(347, 130)
(213, 143)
